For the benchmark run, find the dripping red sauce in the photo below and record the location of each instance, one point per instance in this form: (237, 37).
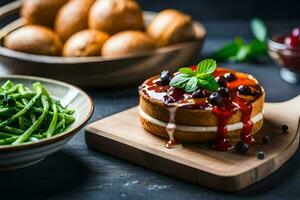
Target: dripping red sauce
(178, 97)
(223, 114)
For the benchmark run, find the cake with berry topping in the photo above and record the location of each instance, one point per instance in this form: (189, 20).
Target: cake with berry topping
(202, 104)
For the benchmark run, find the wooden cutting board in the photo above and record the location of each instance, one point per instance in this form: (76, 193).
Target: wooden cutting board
(121, 135)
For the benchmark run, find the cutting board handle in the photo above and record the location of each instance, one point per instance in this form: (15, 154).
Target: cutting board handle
(294, 103)
(290, 108)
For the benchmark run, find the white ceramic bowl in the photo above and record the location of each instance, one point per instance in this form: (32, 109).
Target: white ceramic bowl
(17, 156)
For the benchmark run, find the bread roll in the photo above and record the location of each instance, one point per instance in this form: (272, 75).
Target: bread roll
(113, 16)
(41, 12)
(85, 43)
(127, 42)
(171, 27)
(72, 18)
(34, 39)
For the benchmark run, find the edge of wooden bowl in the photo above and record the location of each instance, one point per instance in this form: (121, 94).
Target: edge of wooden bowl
(5, 52)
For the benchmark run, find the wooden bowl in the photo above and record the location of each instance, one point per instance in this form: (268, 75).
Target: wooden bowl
(18, 156)
(95, 72)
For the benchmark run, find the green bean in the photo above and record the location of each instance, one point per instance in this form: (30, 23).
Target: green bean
(52, 125)
(7, 85)
(21, 89)
(12, 130)
(12, 90)
(22, 123)
(53, 122)
(8, 140)
(39, 136)
(30, 116)
(69, 118)
(26, 95)
(5, 135)
(36, 124)
(7, 111)
(23, 111)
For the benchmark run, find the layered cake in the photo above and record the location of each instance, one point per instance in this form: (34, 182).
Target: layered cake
(202, 104)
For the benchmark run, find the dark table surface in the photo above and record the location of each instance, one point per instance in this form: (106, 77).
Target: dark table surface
(79, 173)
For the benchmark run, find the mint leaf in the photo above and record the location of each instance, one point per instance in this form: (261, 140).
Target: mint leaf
(259, 29)
(239, 51)
(187, 71)
(229, 50)
(179, 81)
(191, 85)
(190, 80)
(242, 54)
(207, 66)
(202, 82)
(257, 48)
(213, 85)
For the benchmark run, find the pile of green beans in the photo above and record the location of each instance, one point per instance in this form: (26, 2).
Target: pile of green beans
(30, 116)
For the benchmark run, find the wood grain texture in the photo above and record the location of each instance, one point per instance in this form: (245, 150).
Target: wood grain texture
(121, 135)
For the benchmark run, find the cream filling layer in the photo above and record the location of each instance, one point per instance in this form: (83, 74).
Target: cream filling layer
(230, 127)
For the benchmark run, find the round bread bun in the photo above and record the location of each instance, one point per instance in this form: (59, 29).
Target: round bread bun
(113, 16)
(72, 18)
(85, 43)
(41, 12)
(171, 27)
(34, 39)
(157, 110)
(128, 42)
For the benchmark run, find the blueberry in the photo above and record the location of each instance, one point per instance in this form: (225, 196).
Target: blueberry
(241, 147)
(199, 93)
(261, 155)
(284, 128)
(244, 90)
(165, 77)
(215, 98)
(224, 92)
(266, 139)
(230, 77)
(221, 80)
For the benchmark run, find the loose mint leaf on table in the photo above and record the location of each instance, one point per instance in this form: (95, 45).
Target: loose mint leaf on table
(258, 29)
(241, 55)
(257, 47)
(190, 80)
(229, 50)
(240, 51)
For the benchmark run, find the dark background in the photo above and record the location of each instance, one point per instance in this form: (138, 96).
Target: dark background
(226, 9)
(230, 9)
